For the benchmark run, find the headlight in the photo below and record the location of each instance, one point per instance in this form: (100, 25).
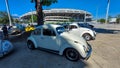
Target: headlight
(84, 48)
(94, 33)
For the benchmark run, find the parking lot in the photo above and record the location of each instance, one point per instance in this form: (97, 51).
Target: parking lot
(106, 49)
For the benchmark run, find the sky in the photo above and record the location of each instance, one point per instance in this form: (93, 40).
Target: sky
(96, 7)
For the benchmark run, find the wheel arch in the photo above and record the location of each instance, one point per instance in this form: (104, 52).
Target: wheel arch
(79, 49)
(86, 32)
(33, 41)
(62, 48)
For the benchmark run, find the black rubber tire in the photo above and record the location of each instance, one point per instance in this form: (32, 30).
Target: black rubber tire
(30, 45)
(87, 37)
(72, 54)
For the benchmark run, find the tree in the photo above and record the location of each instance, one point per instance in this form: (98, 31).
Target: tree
(102, 20)
(38, 6)
(118, 18)
(71, 20)
(34, 18)
(109, 17)
(4, 17)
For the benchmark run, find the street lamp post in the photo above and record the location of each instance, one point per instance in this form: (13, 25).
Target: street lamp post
(6, 1)
(32, 16)
(108, 5)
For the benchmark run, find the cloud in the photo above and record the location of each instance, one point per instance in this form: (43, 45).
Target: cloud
(15, 15)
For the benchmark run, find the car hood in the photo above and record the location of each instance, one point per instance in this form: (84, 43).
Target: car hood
(72, 37)
(81, 28)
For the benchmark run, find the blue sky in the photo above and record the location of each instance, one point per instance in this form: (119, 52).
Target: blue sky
(96, 7)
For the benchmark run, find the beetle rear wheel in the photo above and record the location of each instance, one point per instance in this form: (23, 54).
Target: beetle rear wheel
(30, 45)
(87, 37)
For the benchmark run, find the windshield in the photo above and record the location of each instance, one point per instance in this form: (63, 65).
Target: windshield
(60, 30)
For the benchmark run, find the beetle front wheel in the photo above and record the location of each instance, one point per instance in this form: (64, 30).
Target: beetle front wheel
(71, 54)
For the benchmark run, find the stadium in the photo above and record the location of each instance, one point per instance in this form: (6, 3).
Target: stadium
(62, 15)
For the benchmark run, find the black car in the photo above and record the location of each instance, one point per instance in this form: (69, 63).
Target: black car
(86, 25)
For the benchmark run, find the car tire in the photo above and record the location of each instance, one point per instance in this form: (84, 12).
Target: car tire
(72, 54)
(30, 45)
(87, 37)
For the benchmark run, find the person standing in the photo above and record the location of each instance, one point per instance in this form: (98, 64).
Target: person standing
(5, 32)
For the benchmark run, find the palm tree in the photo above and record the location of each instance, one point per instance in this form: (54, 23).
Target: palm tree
(38, 6)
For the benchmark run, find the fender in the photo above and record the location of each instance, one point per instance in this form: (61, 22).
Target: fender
(32, 39)
(87, 32)
(79, 49)
(62, 49)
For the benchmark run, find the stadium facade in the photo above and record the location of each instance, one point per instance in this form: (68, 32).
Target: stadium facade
(62, 15)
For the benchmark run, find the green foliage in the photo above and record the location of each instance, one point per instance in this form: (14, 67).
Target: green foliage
(101, 20)
(71, 20)
(38, 6)
(34, 18)
(46, 2)
(118, 18)
(4, 17)
(16, 21)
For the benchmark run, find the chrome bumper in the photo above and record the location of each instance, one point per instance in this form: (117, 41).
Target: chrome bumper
(88, 52)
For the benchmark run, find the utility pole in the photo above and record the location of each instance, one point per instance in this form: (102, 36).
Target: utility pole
(107, 11)
(32, 16)
(97, 13)
(7, 6)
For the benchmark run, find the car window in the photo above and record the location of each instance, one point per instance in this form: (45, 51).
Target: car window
(37, 32)
(80, 25)
(60, 30)
(72, 27)
(48, 32)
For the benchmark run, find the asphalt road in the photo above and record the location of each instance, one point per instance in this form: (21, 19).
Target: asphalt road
(106, 49)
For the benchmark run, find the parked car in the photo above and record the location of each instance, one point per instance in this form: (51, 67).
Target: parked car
(16, 29)
(55, 39)
(5, 46)
(86, 33)
(29, 28)
(86, 25)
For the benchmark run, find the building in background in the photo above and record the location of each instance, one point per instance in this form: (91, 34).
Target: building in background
(61, 15)
(112, 20)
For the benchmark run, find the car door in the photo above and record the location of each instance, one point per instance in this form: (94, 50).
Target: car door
(49, 40)
(36, 34)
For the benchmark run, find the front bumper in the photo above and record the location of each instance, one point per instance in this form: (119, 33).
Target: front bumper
(94, 35)
(88, 52)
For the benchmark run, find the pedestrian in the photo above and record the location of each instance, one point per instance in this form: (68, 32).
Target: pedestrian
(5, 31)
(1, 35)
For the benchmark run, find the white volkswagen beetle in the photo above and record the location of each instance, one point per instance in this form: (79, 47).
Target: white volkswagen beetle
(86, 33)
(54, 38)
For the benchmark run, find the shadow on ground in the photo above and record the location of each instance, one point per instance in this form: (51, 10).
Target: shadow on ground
(22, 37)
(106, 31)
